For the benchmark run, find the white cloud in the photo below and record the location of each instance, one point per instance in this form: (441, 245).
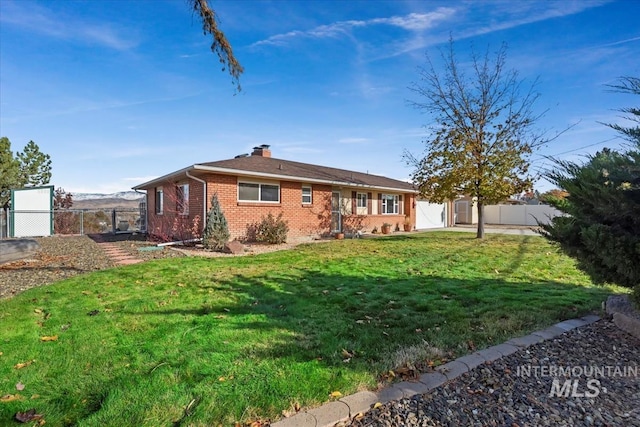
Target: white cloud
(410, 22)
(417, 21)
(37, 19)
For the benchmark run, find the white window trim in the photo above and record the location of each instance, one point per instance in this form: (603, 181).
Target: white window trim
(260, 183)
(185, 204)
(161, 204)
(310, 195)
(366, 200)
(396, 204)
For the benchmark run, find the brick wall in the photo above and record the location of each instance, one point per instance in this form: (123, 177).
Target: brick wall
(304, 220)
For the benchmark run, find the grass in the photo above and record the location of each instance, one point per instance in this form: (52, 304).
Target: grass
(216, 341)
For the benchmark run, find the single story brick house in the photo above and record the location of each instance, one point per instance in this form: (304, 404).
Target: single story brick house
(314, 200)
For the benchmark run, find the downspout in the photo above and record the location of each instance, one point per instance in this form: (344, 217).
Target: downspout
(204, 204)
(146, 210)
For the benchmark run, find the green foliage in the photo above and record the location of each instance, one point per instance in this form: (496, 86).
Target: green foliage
(553, 197)
(602, 229)
(482, 132)
(35, 166)
(272, 230)
(9, 171)
(216, 233)
(29, 167)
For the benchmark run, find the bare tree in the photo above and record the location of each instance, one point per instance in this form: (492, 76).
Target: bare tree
(220, 45)
(481, 134)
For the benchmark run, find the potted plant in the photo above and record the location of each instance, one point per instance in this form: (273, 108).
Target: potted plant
(407, 223)
(386, 228)
(339, 235)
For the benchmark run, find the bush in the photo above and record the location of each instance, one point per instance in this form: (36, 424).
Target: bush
(602, 227)
(216, 234)
(272, 230)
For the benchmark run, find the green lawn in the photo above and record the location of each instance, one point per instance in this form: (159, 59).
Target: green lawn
(213, 341)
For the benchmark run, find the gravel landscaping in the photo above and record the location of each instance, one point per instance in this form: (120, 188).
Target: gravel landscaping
(61, 257)
(505, 393)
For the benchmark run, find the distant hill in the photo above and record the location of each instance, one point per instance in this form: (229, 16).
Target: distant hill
(122, 200)
(126, 195)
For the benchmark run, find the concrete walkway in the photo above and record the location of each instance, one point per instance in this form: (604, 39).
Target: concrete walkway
(348, 407)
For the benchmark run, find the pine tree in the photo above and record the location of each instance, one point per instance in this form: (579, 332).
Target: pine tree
(35, 166)
(9, 171)
(216, 233)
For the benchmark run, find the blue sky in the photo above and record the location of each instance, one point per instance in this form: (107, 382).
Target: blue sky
(119, 92)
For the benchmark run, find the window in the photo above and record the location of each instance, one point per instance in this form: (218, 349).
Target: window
(361, 200)
(249, 192)
(306, 195)
(182, 199)
(390, 204)
(159, 200)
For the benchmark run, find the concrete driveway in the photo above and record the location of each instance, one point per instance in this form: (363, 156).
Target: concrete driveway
(491, 229)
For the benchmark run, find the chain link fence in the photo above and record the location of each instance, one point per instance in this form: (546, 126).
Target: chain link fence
(71, 221)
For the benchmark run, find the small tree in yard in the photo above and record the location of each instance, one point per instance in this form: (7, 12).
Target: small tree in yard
(482, 133)
(216, 233)
(64, 221)
(602, 227)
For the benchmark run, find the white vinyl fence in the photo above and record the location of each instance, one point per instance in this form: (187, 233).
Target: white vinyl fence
(519, 214)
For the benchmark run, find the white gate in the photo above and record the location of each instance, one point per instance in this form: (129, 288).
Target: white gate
(430, 215)
(32, 212)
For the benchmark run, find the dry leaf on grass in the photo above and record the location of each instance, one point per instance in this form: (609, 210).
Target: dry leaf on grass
(20, 386)
(10, 397)
(24, 364)
(336, 394)
(28, 416)
(51, 338)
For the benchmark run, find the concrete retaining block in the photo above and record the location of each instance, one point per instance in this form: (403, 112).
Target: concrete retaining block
(330, 413)
(360, 402)
(452, 369)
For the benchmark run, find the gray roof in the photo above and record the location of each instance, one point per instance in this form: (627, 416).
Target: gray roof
(269, 167)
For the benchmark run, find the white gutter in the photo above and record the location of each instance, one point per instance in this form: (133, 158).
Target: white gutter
(204, 204)
(146, 208)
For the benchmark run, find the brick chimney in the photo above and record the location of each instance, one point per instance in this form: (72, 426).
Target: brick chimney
(262, 151)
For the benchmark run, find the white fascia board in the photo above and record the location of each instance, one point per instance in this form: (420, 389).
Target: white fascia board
(163, 178)
(240, 172)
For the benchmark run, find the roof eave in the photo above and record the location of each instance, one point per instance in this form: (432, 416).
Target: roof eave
(242, 172)
(230, 171)
(163, 178)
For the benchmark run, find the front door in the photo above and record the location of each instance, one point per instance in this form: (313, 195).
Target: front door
(335, 212)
